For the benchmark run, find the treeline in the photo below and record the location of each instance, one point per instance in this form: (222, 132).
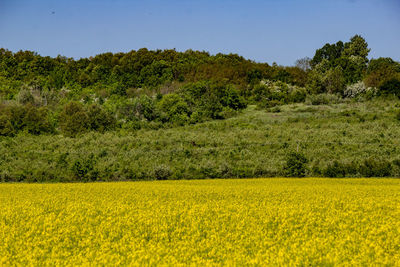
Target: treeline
(163, 88)
(122, 73)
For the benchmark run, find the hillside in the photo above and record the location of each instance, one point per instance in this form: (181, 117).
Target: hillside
(183, 115)
(344, 139)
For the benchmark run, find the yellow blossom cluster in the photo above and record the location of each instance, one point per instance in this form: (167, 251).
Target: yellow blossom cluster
(203, 222)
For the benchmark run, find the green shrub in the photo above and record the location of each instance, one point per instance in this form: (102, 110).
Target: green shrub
(6, 127)
(14, 119)
(161, 172)
(211, 107)
(375, 168)
(391, 86)
(16, 116)
(229, 97)
(140, 108)
(260, 92)
(84, 169)
(213, 100)
(145, 108)
(275, 109)
(37, 120)
(296, 165)
(173, 108)
(396, 167)
(73, 119)
(100, 120)
(298, 95)
(335, 169)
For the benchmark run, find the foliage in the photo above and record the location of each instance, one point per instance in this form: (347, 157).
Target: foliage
(165, 88)
(212, 99)
(161, 172)
(381, 70)
(375, 168)
(296, 165)
(83, 169)
(346, 63)
(358, 89)
(25, 97)
(6, 127)
(28, 118)
(255, 143)
(335, 169)
(143, 68)
(99, 119)
(391, 86)
(74, 119)
(269, 94)
(173, 108)
(159, 115)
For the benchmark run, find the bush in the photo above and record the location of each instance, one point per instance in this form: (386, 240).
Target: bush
(37, 121)
(140, 108)
(14, 119)
(391, 86)
(73, 119)
(145, 108)
(358, 89)
(396, 167)
(211, 107)
(173, 108)
(161, 172)
(296, 165)
(275, 109)
(298, 95)
(6, 127)
(335, 169)
(266, 103)
(100, 120)
(375, 168)
(230, 98)
(260, 92)
(83, 169)
(214, 100)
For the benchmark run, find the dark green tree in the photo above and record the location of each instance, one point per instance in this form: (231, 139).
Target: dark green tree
(73, 119)
(100, 120)
(296, 165)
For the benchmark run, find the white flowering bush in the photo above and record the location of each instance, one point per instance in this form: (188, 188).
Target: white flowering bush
(358, 89)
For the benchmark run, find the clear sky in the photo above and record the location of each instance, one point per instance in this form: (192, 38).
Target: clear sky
(265, 31)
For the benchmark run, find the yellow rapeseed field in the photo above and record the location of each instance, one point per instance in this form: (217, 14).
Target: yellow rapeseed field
(220, 222)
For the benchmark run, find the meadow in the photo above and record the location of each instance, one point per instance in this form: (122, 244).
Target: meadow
(255, 143)
(280, 221)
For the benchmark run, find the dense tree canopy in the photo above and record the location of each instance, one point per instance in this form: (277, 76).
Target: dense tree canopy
(147, 88)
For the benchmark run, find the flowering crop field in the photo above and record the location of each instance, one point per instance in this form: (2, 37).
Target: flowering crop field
(235, 222)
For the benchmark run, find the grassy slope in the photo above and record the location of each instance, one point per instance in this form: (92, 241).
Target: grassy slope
(252, 144)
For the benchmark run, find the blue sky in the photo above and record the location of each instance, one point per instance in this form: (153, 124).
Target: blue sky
(265, 31)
